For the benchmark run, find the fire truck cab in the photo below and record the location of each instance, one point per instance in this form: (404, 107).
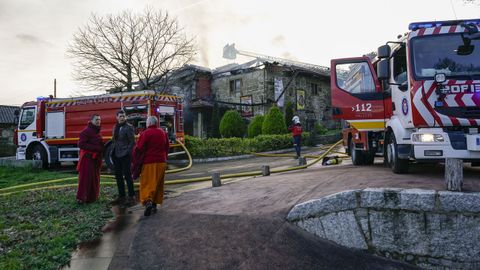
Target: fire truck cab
(48, 129)
(417, 100)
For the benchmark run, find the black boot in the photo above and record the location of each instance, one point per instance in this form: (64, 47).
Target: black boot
(148, 208)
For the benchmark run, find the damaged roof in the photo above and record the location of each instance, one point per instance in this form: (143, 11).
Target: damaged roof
(7, 114)
(259, 63)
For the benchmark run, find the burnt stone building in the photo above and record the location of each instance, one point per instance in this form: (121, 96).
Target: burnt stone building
(264, 83)
(193, 84)
(260, 83)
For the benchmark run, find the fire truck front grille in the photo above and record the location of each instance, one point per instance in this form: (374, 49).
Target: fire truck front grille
(460, 112)
(457, 139)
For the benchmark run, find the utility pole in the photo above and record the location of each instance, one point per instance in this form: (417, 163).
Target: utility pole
(54, 88)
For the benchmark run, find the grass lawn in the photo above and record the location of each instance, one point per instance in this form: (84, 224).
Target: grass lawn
(39, 229)
(10, 176)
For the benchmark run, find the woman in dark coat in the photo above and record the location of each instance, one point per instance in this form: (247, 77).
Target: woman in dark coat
(90, 160)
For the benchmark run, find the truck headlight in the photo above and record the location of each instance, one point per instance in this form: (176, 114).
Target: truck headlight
(427, 138)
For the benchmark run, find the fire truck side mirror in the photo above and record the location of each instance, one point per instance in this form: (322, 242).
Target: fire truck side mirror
(16, 114)
(383, 51)
(383, 70)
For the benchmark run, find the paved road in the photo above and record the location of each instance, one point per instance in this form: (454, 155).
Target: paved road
(241, 225)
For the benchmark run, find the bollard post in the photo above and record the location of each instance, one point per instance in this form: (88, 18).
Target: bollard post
(302, 161)
(265, 170)
(216, 181)
(453, 174)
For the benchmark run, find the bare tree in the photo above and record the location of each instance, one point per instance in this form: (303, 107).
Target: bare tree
(114, 51)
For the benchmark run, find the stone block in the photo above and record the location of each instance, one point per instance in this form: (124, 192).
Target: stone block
(341, 201)
(361, 215)
(408, 199)
(342, 229)
(312, 225)
(453, 174)
(454, 236)
(417, 199)
(459, 201)
(398, 231)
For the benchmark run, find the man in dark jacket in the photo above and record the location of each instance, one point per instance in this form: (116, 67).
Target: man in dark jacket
(91, 148)
(123, 140)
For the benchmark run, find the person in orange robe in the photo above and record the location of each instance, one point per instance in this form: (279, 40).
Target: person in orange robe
(90, 160)
(150, 154)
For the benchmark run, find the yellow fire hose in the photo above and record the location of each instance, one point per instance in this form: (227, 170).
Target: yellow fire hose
(173, 182)
(190, 162)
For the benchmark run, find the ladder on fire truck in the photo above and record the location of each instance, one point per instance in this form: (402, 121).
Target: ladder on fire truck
(230, 52)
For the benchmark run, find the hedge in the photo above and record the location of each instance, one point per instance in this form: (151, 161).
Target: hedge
(213, 147)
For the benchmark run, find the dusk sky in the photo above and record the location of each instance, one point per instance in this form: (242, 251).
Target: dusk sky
(34, 34)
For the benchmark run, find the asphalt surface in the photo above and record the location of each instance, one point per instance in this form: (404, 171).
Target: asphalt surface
(241, 225)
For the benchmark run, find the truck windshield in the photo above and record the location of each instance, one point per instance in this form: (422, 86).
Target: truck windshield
(28, 116)
(439, 54)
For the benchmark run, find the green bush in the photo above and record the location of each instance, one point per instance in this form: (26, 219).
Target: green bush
(207, 148)
(255, 127)
(288, 113)
(232, 125)
(274, 122)
(320, 129)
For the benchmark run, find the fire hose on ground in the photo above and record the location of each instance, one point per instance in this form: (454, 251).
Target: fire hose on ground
(14, 189)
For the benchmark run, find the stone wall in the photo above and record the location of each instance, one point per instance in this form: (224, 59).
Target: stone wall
(436, 230)
(317, 105)
(252, 84)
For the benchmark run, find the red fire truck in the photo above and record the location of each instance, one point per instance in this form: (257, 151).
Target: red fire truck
(49, 128)
(418, 100)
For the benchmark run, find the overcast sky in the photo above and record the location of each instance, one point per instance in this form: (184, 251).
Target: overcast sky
(34, 34)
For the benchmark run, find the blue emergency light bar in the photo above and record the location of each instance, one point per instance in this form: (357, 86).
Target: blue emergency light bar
(417, 25)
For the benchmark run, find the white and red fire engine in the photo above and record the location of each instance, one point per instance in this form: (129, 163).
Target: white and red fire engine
(49, 128)
(418, 100)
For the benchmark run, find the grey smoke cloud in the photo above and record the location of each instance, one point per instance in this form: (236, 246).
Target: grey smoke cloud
(278, 40)
(31, 40)
(288, 55)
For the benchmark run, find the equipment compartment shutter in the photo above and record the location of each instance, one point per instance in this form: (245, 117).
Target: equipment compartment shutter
(166, 110)
(55, 125)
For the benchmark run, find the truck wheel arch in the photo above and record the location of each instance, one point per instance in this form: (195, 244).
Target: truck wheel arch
(395, 126)
(32, 146)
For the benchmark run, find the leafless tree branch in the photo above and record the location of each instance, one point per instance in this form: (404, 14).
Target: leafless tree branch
(115, 51)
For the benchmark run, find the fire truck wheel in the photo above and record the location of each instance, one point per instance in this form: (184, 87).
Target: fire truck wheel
(396, 164)
(357, 155)
(369, 158)
(39, 153)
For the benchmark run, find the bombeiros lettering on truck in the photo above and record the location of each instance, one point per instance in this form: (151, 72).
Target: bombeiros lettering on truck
(416, 100)
(49, 128)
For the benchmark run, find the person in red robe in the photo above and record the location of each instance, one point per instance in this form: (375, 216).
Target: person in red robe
(150, 162)
(90, 160)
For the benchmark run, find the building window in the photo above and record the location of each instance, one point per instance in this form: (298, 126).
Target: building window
(314, 89)
(236, 86)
